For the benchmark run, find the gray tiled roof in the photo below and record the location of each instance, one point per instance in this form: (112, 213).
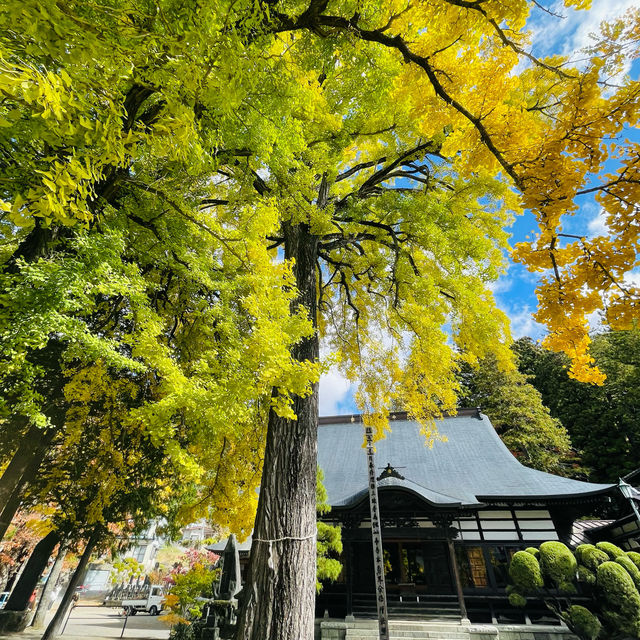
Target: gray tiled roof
(471, 466)
(218, 547)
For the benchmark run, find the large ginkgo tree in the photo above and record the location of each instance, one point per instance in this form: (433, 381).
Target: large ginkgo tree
(315, 170)
(394, 215)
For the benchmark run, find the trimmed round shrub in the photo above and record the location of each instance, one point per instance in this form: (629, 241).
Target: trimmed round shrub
(583, 622)
(557, 562)
(534, 551)
(618, 590)
(617, 622)
(635, 558)
(525, 572)
(517, 600)
(610, 549)
(567, 587)
(631, 568)
(586, 576)
(590, 556)
(580, 549)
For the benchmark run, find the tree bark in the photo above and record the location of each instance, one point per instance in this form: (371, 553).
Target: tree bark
(19, 463)
(279, 593)
(53, 630)
(11, 508)
(28, 581)
(14, 501)
(13, 573)
(46, 599)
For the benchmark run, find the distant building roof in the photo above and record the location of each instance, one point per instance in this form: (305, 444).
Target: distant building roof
(625, 532)
(583, 529)
(633, 477)
(472, 466)
(243, 547)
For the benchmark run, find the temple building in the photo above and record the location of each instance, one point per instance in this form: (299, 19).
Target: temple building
(452, 516)
(624, 531)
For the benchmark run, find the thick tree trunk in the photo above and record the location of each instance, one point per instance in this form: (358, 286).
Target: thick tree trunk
(13, 573)
(19, 463)
(11, 508)
(46, 599)
(37, 563)
(55, 626)
(279, 593)
(4, 576)
(12, 505)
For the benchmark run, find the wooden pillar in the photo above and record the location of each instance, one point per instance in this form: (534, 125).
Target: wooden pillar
(456, 577)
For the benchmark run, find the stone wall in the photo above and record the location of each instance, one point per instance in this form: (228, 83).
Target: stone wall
(328, 629)
(519, 632)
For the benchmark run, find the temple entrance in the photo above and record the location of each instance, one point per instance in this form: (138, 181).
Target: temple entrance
(414, 566)
(419, 580)
(411, 567)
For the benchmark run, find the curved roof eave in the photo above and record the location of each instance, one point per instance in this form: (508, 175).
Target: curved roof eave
(433, 498)
(576, 497)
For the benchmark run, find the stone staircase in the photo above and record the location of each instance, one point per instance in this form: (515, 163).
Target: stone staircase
(399, 630)
(408, 608)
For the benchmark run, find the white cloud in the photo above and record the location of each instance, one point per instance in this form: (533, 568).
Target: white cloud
(564, 36)
(595, 321)
(633, 278)
(597, 226)
(523, 324)
(336, 393)
(501, 285)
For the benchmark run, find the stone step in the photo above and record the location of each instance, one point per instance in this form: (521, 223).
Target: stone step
(397, 625)
(429, 634)
(426, 615)
(368, 630)
(416, 635)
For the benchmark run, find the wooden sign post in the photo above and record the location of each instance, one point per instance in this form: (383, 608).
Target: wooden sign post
(376, 536)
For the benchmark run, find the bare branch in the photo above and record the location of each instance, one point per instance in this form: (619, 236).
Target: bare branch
(207, 203)
(359, 167)
(275, 242)
(383, 174)
(551, 13)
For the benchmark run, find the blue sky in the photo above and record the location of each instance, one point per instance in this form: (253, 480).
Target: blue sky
(515, 291)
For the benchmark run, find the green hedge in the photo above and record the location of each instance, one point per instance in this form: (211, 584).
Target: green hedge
(618, 589)
(517, 600)
(583, 622)
(635, 558)
(610, 549)
(612, 575)
(558, 564)
(590, 556)
(631, 569)
(586, 576)
(525, 572)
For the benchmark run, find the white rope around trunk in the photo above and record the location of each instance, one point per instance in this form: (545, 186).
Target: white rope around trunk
(271, 541)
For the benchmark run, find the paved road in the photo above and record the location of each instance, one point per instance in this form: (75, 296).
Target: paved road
(101, 623)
